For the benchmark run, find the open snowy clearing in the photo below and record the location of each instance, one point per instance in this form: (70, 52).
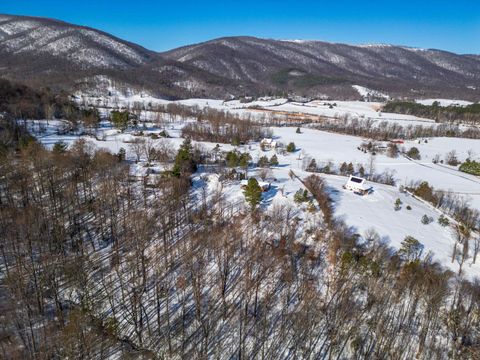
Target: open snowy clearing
(273, 106)
(327, 147)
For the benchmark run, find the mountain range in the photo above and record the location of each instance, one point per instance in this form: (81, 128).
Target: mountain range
(46, 52)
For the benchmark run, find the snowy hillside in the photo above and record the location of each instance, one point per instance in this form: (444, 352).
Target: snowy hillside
(35, 37)
(40, 51)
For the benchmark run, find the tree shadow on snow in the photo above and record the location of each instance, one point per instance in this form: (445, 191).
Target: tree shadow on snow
(268, 196)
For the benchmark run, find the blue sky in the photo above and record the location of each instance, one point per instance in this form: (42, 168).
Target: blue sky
(162, 25)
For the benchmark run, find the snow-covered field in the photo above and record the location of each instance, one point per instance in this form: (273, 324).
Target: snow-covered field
(273, 106)
(337, 148)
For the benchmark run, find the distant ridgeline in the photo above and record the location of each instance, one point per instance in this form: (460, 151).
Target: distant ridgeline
(469, 114)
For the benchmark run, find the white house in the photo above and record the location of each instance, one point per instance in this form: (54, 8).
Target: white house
(357, 185)
(268, 143)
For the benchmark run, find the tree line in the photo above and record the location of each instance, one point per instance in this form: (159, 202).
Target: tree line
(469, 114)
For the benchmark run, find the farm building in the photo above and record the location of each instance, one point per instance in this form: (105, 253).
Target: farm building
(358, 185)
(263, 184)
(268, 143)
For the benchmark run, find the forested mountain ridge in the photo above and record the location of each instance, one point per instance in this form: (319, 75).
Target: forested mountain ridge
(54, 53)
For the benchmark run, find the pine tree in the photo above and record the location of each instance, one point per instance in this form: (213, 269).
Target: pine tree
(244, 160)
(120, 119)
(411, 249)
(263, 162)
(253, 193)
(60, 147)
(232, 159)
(184, 161)
(291, 147)
(274, 160)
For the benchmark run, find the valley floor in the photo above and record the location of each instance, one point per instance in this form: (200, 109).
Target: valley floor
(362, 213)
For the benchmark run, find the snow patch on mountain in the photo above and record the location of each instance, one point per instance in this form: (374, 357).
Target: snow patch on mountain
(367, 93)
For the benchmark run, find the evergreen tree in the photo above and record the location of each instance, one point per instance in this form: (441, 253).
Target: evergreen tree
(232, 159)
(184, 161)
(244, 160)
(443, 220)
(120, 119)
(253, 193)
(263, 162)
(60, 147)
(274, 160)
(411, 249)
(291, 147)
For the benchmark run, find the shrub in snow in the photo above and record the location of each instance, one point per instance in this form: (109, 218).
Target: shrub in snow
(471, 167)
(301, 196)
(414, 153)
(451, 158)
(426, 219)
(291, 147)
(443, 220)
(312, 167)
(398, 204)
